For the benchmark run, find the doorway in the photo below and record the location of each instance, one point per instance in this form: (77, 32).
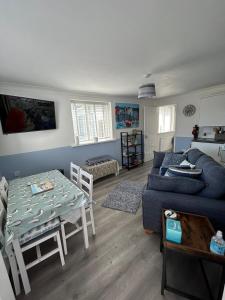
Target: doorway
(159, 129)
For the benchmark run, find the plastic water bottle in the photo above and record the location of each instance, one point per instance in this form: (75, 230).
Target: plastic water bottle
(217, 244)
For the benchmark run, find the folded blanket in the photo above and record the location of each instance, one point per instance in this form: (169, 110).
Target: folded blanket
(98, 160)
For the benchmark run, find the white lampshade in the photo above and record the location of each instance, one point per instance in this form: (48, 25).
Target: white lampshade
(146, 91)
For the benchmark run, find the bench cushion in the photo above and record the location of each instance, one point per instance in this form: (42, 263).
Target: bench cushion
(103, 169)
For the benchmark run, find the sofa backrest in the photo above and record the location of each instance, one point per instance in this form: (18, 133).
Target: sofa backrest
(193, 155)
(213, 174)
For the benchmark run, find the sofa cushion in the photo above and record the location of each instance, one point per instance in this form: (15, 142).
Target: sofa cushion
(213, 174)
(179, 171)
(158, 159)
(193, 155)
(171, 159)
(182, 185)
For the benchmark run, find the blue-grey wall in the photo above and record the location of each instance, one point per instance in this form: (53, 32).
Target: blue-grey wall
(58, 158)
(182, 143)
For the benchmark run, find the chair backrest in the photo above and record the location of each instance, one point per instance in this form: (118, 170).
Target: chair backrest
(2, 221)
(86, 184)
(2, 206)
(4, 184)
(75, 173)
(3, 198)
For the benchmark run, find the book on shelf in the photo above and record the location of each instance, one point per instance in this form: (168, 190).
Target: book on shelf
(41, 187)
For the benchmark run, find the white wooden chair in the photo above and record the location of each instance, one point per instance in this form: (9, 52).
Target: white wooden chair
(4, 191)
(75, 173)
(4, 184)
(6, 293)
(2, 207)
(10, 261)
(74, 216)
(34, 238)
(85, 183)
(2, 218)
(3, 198)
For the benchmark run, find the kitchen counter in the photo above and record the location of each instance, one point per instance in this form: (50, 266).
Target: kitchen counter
(210, 147)
(207, 140)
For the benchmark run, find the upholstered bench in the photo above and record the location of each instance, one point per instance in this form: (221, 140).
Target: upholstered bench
(103, 169)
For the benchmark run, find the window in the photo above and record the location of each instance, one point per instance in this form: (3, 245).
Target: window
(92, 121)
(166, 119)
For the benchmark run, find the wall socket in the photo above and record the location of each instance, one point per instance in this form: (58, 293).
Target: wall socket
(17, 173)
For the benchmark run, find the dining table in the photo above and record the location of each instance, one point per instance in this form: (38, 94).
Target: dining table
(26, 211)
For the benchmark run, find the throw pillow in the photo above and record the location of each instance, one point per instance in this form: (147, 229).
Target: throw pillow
(192, 173)
(183, 185)
(171, 159)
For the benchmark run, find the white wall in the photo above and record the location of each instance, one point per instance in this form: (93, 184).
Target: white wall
(63, 135)
(184, 124)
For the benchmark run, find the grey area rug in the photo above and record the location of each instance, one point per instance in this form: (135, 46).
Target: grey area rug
(126, 196)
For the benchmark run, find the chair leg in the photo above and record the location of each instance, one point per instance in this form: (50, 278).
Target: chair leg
(64, 239)
(22, 267)
(13, 267)
(92, 219)
(60, 248)
(6, 287)
(84, 225)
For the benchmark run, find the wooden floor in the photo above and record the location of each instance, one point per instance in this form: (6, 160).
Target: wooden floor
(122, 263)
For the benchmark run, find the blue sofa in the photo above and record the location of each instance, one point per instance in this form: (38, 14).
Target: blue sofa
(210, 201)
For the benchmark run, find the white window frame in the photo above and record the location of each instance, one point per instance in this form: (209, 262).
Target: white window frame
(173, 117)
(96, 139)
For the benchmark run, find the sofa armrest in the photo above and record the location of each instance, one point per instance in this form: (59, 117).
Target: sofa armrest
(154, 201)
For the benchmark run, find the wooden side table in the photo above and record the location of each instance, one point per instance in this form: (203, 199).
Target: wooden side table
(196, 236)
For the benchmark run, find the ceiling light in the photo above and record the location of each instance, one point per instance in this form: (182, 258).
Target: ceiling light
(146, 91)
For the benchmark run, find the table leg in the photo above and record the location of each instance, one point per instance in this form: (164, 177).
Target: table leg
(206, 279)
(222, 282)
(163, 283)
(161, 244)
(22, 267)
(84, 225)
(14, 270)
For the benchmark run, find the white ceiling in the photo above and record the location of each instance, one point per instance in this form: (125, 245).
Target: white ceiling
(106, 46)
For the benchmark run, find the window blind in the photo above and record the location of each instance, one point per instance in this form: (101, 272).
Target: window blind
(91, 121)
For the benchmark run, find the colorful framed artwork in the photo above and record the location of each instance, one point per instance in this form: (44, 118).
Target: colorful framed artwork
(127, 115)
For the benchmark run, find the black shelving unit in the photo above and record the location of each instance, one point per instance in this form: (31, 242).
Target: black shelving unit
(132, 149)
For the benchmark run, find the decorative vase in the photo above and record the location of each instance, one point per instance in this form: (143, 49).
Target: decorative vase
(195, 132)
